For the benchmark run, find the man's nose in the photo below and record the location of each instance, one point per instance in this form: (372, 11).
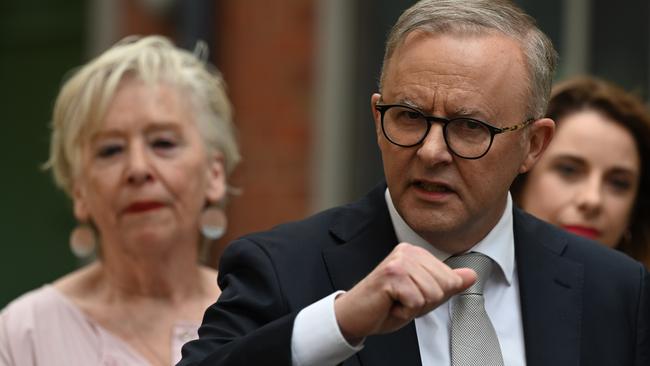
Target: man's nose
(138, 170)
(434, 149)
(589, 197)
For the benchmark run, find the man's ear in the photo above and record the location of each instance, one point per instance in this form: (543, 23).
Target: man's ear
(216, 178)
(376, 97)
(539, 136)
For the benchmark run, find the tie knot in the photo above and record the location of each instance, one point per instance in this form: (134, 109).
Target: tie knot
(481, 264)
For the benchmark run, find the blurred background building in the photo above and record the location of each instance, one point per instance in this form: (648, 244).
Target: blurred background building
(300, 75)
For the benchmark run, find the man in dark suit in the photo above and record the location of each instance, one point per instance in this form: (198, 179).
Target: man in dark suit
(463, 92)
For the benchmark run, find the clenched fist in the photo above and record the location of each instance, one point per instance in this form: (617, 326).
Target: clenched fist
(408, 283)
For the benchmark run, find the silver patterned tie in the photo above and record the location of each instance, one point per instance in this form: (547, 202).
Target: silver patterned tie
(473, 339)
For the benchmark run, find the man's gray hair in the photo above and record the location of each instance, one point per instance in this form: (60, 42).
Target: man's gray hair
(479, 17)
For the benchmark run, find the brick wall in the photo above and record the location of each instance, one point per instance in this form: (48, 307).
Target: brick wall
(265, 53)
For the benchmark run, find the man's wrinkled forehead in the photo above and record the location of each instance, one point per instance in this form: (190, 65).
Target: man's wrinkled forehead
(468, 72)
(459, 31)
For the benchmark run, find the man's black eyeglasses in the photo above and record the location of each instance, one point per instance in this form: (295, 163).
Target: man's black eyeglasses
(467, 138)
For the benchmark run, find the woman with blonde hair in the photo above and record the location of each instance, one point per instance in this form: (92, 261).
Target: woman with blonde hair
(143, 143)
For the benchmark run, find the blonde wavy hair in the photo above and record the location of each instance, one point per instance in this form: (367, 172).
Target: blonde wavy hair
(84, 98)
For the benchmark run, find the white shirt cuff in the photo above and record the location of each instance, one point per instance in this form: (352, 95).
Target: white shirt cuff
(316, 339)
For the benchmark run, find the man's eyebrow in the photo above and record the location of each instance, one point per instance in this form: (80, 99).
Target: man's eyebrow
(409, 103)
(464, 111)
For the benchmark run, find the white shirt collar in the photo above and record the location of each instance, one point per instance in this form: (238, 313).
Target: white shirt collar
(498, 244)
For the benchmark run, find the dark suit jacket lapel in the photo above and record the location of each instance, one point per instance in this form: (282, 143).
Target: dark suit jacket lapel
(366, 237)
(551, 294)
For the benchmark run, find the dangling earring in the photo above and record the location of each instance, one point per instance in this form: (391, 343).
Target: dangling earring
(83, 241)
(213, 223)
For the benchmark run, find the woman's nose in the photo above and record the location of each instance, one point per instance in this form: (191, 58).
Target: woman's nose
(589, 197)
(138, 167)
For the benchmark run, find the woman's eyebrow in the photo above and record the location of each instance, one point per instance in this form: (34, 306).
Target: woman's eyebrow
(162, 126)
(569, 157)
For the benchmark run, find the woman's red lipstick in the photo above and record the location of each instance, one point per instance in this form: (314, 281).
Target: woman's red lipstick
(138, 207)
(588, 232)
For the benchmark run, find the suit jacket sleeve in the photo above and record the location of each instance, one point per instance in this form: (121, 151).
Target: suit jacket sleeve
(251, 323)
(643, 325)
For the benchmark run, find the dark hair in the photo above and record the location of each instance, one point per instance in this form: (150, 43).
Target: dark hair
(628, 110)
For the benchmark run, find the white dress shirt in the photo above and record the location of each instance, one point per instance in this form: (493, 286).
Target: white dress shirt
(317, 340)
